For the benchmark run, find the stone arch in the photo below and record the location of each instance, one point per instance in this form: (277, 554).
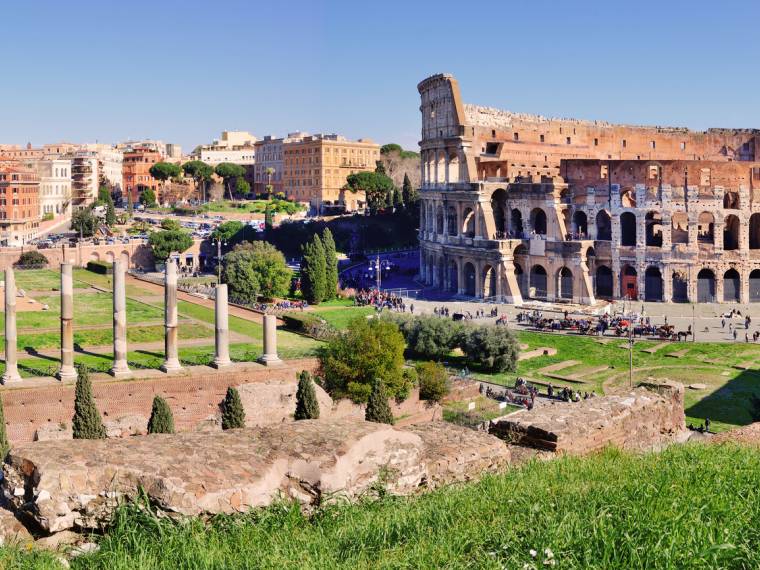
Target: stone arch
(110, 256)
(653, 226)
(565, 283)
(469, 279)
(94, 256)
(731, 200)
(754, 286)
(454, 175)
(451, 220)
(580, 223)
(453, 276)
(522, 279)
(754, 231)
(440, 162)
(489, 281)
(468, 222)
(627, 198)
(516, 223)
(629, 282)
(653, 286)
(680, 287)
(499, 208)
(603, 226)
(603, 286)
(732, 286)
(628, 229)
(679, 227)
(706, 228)
(731, 233)
(439, 220)
(538, 281)
(538, 221)
(706, 286)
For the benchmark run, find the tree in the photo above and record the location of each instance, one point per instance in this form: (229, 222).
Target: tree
(226, 231)
(313, 271)
(375, 186)
(148, 198)
(84, 222)
(87, 423)
(103, 194)
(165, 242)
(409, 194)
(390, 147)
(161, 417)
(428, 336)
(378, 410)
(331, 265)
(368, 350)
(256, 268)
(307, 406)
(163, 171)
(229, 171)
(171, 225)
(242, 188)
(380, 168)
(5, 445)
(31, 260)
(397, 200)
(268, 216)
(495, 348)
(110, 212)
(233, 415)
(433, 380)
(200, 172)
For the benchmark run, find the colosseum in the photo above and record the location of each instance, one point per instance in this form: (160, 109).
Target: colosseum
(518, 206)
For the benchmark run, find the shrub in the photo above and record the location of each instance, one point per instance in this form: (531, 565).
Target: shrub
(494, 348)
(307, 406)
(256, 268)
(433, 380)
(309, 324)
(161, 418)
(368, 350)
(87, 423)
(431, 337)
(31, 260)
(378, 410)
(102, 267)
(233, 415)
(165, 242)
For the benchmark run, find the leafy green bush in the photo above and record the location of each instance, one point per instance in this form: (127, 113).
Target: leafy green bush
(31, 260)
(428, 336)
(233, 414)
(378, 410)
(161, 417)
(309, 324)
(256, 268)
(307, 406)
(87, 423)
(101, 267)
(493, 347)
(433, 380)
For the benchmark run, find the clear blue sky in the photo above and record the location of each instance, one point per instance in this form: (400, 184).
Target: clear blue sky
(184, 71)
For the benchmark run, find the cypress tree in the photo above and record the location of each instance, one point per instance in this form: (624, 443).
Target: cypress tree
(110, 212)
(331, 265)
(307, 406)
(87, 423)
(5, 446)
(313, 269)
(161, 417)
(397, 200)
(378, 410)
(408, 193)
(233, 415)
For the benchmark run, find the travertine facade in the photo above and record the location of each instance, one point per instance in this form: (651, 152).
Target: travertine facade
(517, 206)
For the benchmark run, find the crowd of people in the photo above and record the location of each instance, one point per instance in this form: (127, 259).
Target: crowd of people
(381, 300)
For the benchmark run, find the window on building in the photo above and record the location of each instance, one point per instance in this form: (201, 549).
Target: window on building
(653, 144)
(568, 140)
(542, 138)
(596, 142)
(624, 143)
(517, 136)
(683, 146)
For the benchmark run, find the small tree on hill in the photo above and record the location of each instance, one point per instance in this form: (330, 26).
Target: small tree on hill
(233, 415)
(331, 265)
(87, 423)
(433, 380)
(148, 198)
(307, 406)
(229, 171)
(165, 242)
(110, 211)
(84, 222)
(313, 269)
(5, 446)
(161, 417)
(378, 410)
(409, 194)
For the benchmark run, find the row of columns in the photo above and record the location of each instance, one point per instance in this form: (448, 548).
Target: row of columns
(120, 367)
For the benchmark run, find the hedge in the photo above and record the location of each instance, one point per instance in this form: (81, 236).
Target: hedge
(102, 267)
(308, 324)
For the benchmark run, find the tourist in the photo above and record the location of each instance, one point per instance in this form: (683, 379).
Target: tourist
(746, 337)
(707, 425)
(734, 334)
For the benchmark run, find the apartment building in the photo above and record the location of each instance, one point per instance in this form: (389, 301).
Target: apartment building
(54, 176)
(19, 204)
(136, 177)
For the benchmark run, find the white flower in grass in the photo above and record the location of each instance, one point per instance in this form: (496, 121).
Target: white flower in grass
(548, 553)
(533, 553)
(550, 562)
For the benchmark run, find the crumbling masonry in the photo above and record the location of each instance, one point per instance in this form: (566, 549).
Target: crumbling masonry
(519, 206)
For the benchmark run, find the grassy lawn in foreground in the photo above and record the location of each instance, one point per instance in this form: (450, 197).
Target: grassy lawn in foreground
(339, 317)
(692, 506)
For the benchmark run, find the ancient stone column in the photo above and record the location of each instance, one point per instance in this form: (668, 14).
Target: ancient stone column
(222, 328)
(67, 372)
(270, 342)
(171, 362)
(11, 361)
(120, 367)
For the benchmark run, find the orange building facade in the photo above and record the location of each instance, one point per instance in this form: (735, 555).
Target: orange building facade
(136, 173)
(19, 204)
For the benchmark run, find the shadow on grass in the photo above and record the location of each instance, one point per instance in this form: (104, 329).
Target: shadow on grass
(733, 403)
(149, 353)
(80, 350)
(31, 351)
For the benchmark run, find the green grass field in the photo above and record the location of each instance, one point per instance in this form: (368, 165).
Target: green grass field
(691, 506)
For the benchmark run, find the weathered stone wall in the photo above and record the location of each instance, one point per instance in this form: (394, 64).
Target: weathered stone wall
(59, 485)
(643, 418)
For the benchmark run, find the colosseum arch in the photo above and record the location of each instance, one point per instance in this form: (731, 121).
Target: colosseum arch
(628, 229)
(469, 279)
(731, 200)
(754, 231)
(565, 283)
(516, 223)
(627, 198)
(451, 214)
(538, 221)
(453, 159)
(453, 276)
(489, 281)
(522, 279)
(731, 233)
(468, 222)
(580, 223)
(628, 282)
(706, 228)
(680, 287)
(653, 226)
(538, 280)
(653, 286)
(499, 207)
(754, 286)
(706, 286)
(679, 228)
(603, 226)
(732, 285)
(603, 286)
(439, 220)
